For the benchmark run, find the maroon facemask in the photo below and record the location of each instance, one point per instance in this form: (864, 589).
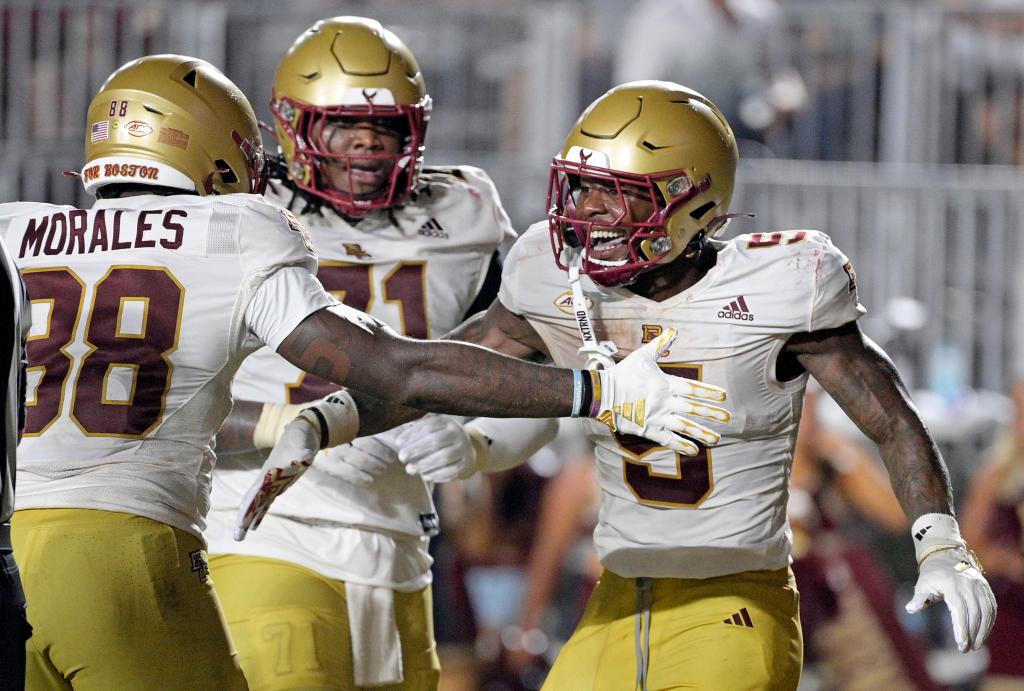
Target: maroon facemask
(311, 152)
(568, 229)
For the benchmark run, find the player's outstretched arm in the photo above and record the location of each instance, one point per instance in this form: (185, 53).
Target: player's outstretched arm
(436, 376)
(863, 381)
(496, 328)
(634, 396)
(252, 426)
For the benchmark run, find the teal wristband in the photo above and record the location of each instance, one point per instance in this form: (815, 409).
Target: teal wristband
(577, 393)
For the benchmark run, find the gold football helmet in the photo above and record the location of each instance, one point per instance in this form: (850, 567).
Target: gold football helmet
(173, 121)
(663, 142)
(350, 68)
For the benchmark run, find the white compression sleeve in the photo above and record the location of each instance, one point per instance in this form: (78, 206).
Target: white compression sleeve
(503, 443)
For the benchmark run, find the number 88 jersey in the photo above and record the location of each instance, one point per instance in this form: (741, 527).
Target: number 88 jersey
(139, 321)
(724, 510)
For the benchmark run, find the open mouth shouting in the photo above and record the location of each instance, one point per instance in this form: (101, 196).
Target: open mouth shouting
(608, 246)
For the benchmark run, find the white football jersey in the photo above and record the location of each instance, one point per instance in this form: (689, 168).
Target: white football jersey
(143, 308)
(417, 268)
(723, 511)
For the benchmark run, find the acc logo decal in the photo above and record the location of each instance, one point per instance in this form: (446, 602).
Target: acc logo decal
(564, 302)
(138, 128)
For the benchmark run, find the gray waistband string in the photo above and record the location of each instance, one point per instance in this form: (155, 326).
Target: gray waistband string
(644, 587)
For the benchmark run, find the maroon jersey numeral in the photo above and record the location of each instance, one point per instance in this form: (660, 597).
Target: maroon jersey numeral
(47, 355)
(139, 351)
(407, 286)
(760, 240)
(353, 284)
(692, 481)
(132, 327)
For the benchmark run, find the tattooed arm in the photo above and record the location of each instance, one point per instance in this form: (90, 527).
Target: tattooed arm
(864, 382)
(438, 376)
(495, 328)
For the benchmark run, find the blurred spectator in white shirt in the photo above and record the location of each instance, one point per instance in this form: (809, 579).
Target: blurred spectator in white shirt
(732, 51)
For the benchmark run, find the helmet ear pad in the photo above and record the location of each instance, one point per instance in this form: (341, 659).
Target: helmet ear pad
(176, 122)
(658, 136)
(350, 67)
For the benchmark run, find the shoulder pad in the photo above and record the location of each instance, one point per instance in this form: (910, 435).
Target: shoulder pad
(270, 236)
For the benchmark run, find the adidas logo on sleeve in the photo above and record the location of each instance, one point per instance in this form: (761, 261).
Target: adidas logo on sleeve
(737, 309)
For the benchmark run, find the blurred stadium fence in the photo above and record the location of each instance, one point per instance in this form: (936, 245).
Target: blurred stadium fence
(909, 105)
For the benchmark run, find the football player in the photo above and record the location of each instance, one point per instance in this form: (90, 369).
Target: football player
(697, 591)
(144, 307)
(345, 555)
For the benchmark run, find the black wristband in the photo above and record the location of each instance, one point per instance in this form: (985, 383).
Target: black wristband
(587, 393)
(324, 432)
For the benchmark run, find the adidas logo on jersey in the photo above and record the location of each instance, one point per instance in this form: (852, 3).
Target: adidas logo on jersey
(737, 309)
(741, 618)
(433, 229)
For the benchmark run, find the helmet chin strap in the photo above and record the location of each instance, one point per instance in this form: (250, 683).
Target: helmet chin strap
(598, 353)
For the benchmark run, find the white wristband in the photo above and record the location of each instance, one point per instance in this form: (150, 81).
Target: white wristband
(273, 418)
(335, 417)
(935, 532)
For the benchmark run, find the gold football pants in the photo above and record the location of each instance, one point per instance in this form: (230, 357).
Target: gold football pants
(119, 603)
(733, 632)
(291, 627)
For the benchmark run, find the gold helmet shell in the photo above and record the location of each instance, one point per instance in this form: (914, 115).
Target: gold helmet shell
(173, 121)
(661, 137)
(349, 67)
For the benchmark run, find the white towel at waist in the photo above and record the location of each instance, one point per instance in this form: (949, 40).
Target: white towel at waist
(376, 645)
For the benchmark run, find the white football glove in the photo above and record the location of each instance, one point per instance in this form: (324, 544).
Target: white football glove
(328, 422)
(948, 571)
(438, 449)
(637, 397)
(288, 460)
(361, 462)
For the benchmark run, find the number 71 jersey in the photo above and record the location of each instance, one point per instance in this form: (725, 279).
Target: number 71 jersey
(417, 269)
(724, 510)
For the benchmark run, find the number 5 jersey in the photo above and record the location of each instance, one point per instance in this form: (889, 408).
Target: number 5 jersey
(723, 511)
(142, 309)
